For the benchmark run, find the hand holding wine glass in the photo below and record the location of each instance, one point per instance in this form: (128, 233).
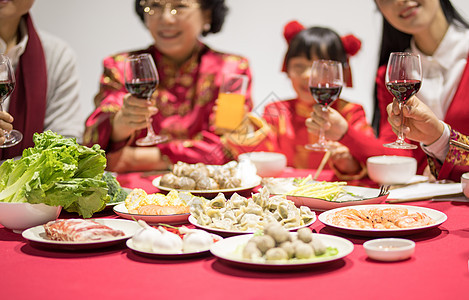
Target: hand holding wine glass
(325, 83)
(403, 80)
(7, 85)
(141, 80)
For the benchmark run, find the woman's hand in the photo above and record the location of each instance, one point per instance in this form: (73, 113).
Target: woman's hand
(421, 124)
(132, 116)
(335, 126)
(5, 125)
(343, 160)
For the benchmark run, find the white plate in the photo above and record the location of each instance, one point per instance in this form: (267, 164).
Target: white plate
(131, 245)
(210, 193)
(436, 215)
(364, 196)
(37, 236)
(223, 232)
(122, 211)
(229, 251)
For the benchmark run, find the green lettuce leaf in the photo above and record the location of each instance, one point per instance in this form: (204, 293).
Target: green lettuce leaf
(57, 171)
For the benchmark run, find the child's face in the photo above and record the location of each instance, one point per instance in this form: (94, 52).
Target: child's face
(299, 70)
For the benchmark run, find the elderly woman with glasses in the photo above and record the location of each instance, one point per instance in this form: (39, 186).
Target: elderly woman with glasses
(190, 76)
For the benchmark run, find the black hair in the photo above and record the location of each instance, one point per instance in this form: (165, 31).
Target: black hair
(217, 8)
(393, 40)
(321, 42)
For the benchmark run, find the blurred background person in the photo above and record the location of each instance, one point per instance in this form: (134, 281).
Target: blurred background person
(47, 84)
(190, 76)
(282, 127)
(440, 35)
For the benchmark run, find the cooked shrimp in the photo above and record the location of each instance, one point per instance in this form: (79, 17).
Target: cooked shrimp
(414, 220)
(377, 218)
(351, 218)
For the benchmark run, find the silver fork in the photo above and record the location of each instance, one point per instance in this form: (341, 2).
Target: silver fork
(383, 190)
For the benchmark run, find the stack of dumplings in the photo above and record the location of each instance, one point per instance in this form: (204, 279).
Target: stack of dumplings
(249, 214)
(198, 176)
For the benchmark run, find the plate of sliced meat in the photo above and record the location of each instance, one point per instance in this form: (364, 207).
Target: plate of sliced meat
(78, 234)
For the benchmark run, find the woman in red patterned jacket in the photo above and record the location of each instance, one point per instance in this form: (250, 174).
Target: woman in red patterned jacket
(190, 76)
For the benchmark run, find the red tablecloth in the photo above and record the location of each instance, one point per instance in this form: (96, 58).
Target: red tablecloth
(437, 270)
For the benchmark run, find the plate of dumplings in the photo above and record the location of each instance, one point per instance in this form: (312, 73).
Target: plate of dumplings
(209, 180)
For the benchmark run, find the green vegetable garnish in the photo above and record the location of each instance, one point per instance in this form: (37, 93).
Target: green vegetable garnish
(57, 171)
(115, 191)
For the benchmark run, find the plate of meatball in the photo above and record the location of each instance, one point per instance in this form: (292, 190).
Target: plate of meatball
(278, 249)
(209, 180)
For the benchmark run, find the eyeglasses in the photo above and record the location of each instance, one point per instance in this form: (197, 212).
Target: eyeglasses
(179, 8)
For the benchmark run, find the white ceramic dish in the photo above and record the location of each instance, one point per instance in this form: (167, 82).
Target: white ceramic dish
(191, 254)
(225, 233)
(436, 215)
(21, 216)
(37, 236)
(268, 164)
(229, 251)
(210, 193)
(390, 249)
(122, 211)
(391, 169)
(363, 196)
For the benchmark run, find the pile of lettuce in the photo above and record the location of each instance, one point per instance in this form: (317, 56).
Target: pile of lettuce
(57, 171)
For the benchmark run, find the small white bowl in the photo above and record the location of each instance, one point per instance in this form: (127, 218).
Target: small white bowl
(268, 164)
(389, 249)
(465, 184)
(391, 169)
(21, 216)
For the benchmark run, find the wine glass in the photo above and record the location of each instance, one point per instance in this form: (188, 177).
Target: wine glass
(141, 80)
(325, 83)
(7, 85)
(403, 80)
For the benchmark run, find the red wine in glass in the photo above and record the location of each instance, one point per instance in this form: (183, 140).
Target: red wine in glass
(403, 80)
(402, 90)
(326, 95)
(141, 80)
(141, 88)
(6, 88)
(7, 85)
(325, 84)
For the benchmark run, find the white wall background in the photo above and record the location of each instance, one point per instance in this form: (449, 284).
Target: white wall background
(253, 28)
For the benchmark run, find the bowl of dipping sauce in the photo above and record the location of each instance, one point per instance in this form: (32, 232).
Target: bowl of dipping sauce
(389, 249)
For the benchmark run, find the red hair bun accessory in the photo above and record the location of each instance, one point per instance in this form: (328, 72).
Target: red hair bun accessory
(351, 44)
(292, 29)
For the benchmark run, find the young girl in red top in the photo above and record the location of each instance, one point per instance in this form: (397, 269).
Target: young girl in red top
(282, 127)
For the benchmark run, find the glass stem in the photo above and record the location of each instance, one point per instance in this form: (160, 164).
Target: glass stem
(322, 138)
(150, 130)
(400, 135)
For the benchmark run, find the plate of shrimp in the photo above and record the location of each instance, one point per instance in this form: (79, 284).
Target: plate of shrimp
(381, 220)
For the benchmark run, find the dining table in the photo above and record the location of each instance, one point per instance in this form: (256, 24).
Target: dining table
(438, 269)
